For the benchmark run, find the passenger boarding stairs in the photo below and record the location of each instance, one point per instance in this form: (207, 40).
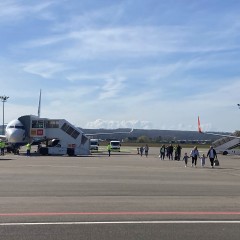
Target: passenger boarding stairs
(227, 145)
(69, 136)
(59, 136)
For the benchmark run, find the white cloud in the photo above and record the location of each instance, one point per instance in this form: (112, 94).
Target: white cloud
(11, 11)
(45, 69)
(129, 41)
(111, 88)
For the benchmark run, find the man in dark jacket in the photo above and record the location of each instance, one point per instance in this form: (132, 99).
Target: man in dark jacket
(212, 155)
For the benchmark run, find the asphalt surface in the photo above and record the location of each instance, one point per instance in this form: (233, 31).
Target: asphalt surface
(124, 196)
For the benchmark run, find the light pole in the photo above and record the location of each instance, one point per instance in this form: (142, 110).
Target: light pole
(3, 99)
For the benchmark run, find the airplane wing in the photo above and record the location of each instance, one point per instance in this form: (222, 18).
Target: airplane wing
(216, 134)
(109, 133)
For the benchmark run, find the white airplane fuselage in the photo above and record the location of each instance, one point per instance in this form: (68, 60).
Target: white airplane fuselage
(15, 133)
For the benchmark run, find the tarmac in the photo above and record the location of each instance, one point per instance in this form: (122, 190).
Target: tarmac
(124, 196)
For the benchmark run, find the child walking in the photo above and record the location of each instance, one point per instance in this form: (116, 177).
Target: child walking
(203, 158)
(185, 158)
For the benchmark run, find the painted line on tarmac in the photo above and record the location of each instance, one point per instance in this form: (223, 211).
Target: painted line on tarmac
(113, 213)
(120, 222)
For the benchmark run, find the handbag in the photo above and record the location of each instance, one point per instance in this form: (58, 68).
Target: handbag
(216, 162)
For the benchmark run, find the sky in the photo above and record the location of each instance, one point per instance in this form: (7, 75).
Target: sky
(146, 64)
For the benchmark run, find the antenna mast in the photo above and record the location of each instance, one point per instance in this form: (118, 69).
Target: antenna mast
(39, 103)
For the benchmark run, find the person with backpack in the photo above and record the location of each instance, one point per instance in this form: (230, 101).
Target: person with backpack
(162, 152)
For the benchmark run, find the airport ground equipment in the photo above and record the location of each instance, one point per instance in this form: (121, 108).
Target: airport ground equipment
(115, 145)
(55, 136)
(94, 144)
(227, 145)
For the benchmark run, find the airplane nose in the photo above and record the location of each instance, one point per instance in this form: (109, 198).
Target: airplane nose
(15, 135)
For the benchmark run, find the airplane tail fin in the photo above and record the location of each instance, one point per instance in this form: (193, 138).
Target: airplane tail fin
(199, 126)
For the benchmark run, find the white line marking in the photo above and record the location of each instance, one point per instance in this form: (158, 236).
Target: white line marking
(120, 222)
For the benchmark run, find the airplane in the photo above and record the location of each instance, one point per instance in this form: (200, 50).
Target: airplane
(225, 145)
(19, 131)
(15, 134)
(216, 134)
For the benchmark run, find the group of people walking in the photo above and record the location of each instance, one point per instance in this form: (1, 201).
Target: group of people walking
(174, 153)
(171, 152)
(194, 154)
(144, 150)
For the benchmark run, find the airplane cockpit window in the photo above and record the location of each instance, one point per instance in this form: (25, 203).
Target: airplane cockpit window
(18, 127)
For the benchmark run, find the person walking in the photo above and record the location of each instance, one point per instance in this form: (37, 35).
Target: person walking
(167, 151)
(162, 152)
(203, 160)
(212, 155)
(141, 150)
(109, 149)
(175, 152)
(194, 154)
(179, 148)
(185, 158)
(170, 152)
(146, 149)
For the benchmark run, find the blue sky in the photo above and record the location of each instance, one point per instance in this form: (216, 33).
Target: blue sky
(149, 64)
